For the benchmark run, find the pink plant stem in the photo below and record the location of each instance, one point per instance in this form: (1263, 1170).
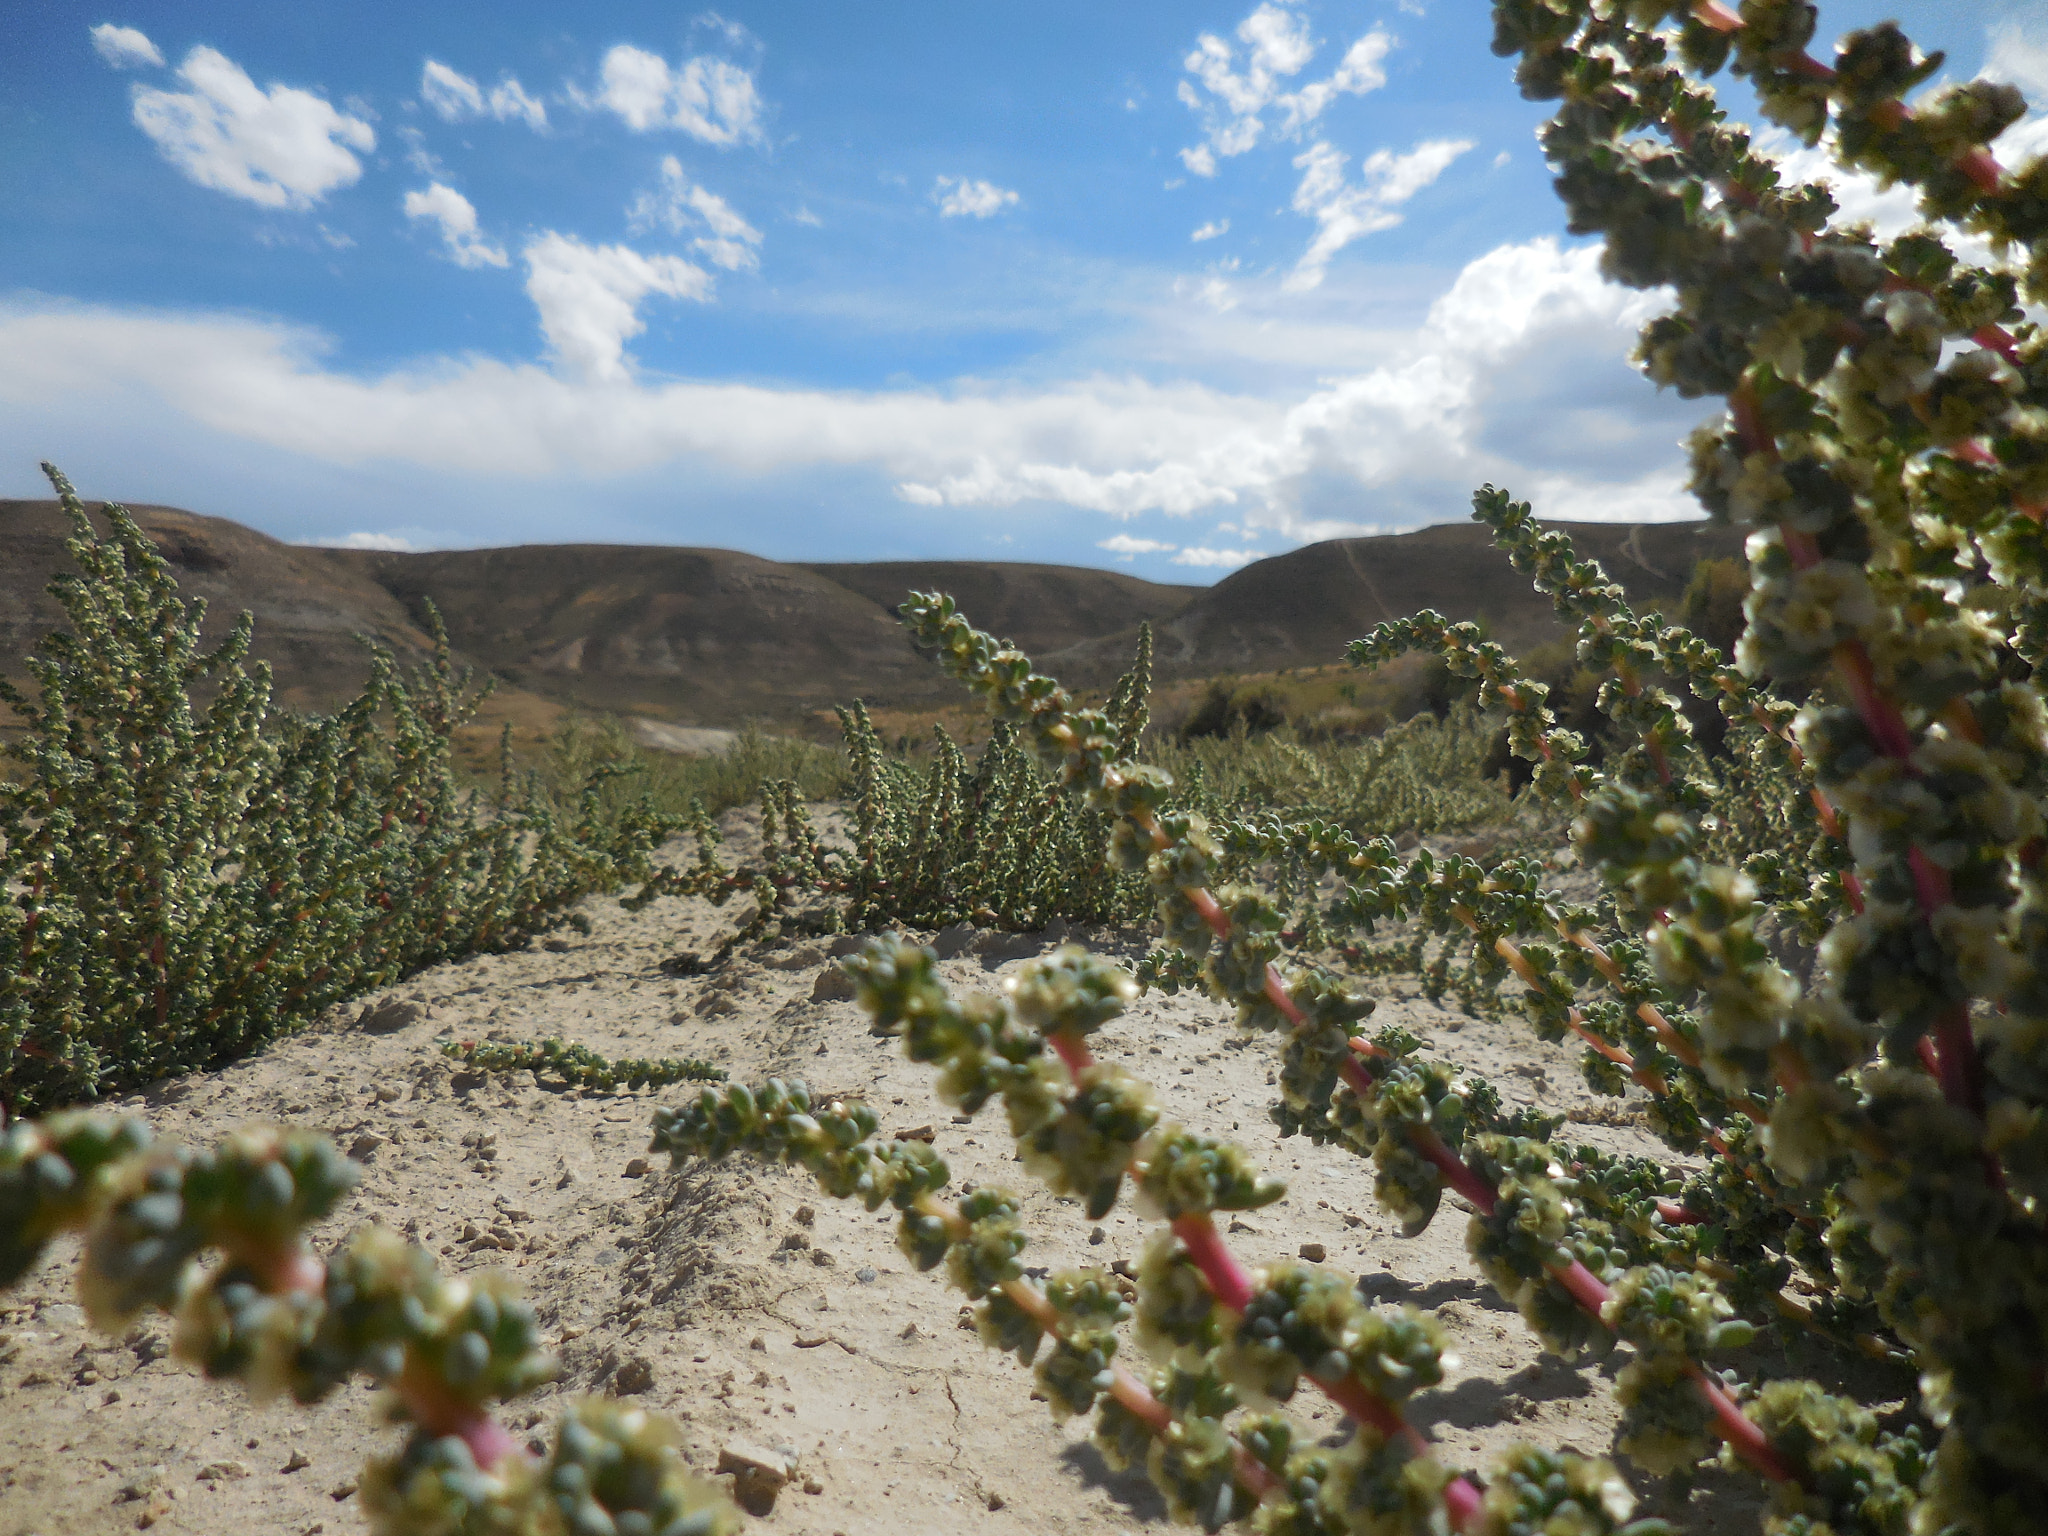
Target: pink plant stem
(1958, 1067)
(1068, 1045)
(1743, 1435)
(1133, 1394)
(1227, 1279)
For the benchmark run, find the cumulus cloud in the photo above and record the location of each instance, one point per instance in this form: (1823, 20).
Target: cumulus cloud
(281, 148)
(1514, 375)
(962, 198)
(709, 99)
(454, 97)
(589, 298)
(1222, 559)
(1346, 211)
(390, 543)
(124, 47)
(456, 216)
(1211, 230)
(679, 205)
(1123, 544)
(1232, 97)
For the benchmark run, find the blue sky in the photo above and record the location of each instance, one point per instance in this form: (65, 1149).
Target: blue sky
(1165, 287)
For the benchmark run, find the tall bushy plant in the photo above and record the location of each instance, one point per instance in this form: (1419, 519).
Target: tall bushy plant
(184, 877)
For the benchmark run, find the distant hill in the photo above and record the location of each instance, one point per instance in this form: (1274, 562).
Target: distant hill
(708, 637)
(1300, 608)
(309, 609)
(1039, 608)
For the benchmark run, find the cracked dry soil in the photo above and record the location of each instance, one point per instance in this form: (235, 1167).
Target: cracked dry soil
(735, 1298)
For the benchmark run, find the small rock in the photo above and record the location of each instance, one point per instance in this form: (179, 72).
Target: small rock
(637, 1168)
(821, 1258)
(805, 1216)
(922, 1133)
(634, 1375)
(846, 944)
(796, 1242)
(298, 1461)
(387, 1094)
(142, 1487)
(1123, 1267)
(812, 1485)
(342, 1491)
(993, 1499)
(802, 958)
(565, 1178)
(1315, 1253)
(715, 1005)
(832, 986)
(555, 946)
(1353, 1221)
(758, 1475)
(952, 942)
(222, 1471)
(864, 1275)
(1097, 1237)
(388, 1016)
(361, 1148)
(61, 1315)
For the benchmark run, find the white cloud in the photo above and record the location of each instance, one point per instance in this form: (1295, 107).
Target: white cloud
(1514, 375)
(457, 218)
(389, 542)
(589, 296)
(1224, 559)
(124, 47)
(454, 97)
(962, 198)
(1343, 212)
(804, 215)
(679, 205)
(1211, 230)
(1277, 46)
(282, 148)
(1124, 544)
(709, 99)
(1359, 73)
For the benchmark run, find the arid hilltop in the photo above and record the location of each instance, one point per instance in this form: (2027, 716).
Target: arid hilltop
(713, 637)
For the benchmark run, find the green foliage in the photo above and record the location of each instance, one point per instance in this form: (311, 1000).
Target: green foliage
(278, 1320)
(181, 881)
(578, 1066)
(1426, 774)
(632, 776)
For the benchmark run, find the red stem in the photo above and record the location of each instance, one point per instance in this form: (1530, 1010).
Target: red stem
(1071, 1049)
(1226, 1278)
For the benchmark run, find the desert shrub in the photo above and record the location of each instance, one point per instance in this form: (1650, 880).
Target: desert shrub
(1421, 776)
(635, 778)
(180, 882)
(1232, 711)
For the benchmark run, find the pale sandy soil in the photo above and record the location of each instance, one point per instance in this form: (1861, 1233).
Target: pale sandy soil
(705, 1293)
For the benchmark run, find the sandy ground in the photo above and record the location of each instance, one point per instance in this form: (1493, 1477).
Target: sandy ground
(716, 1296)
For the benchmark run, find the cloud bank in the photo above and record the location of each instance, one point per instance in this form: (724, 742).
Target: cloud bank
(1513, 372)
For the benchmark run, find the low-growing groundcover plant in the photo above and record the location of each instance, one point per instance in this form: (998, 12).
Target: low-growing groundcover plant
(1817, 964)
